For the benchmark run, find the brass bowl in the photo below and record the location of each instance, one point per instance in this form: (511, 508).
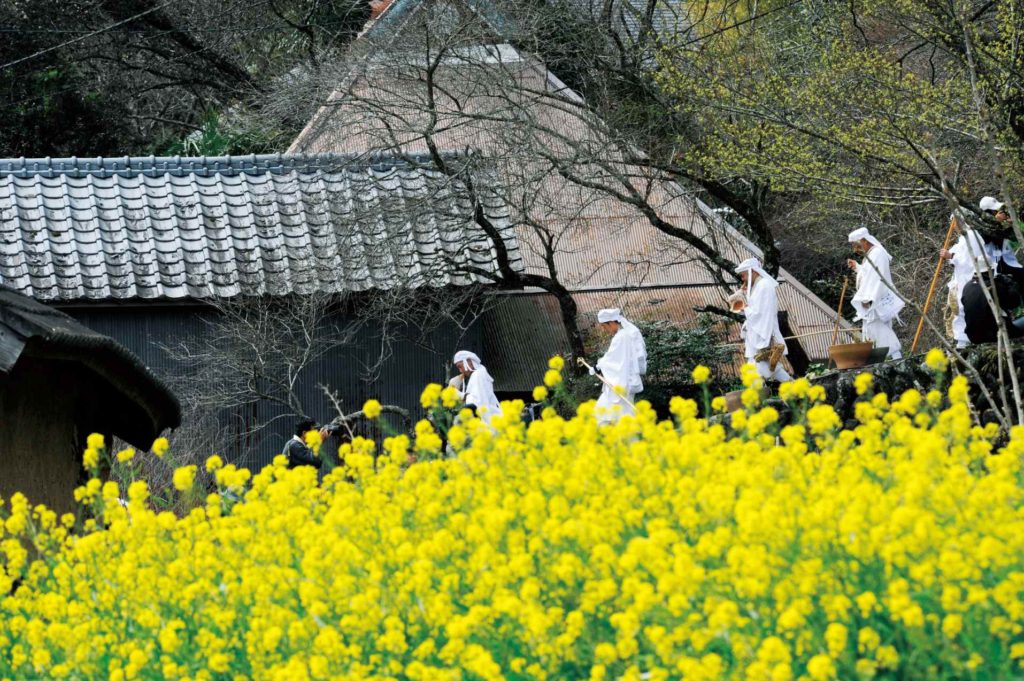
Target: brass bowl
(850, 355)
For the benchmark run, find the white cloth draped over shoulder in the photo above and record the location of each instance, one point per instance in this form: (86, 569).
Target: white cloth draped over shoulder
(478, 390)
(875, 300)
(623, 365)
(969, 246)
(761, 311)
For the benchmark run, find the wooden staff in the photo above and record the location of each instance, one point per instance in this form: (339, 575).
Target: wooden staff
(583, 362)
(839, 310)
(931, 289)
(818, 333)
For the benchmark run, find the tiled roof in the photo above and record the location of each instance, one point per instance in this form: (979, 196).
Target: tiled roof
(124, 228)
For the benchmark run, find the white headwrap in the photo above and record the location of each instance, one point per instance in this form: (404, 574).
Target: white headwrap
(863, 233)
(463, 355)
(614, 314)
(753, 264)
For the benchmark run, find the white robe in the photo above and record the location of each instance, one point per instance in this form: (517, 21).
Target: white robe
(479, 392)
(762, 327)
(963, 253)
(876, 303)
(623, 365)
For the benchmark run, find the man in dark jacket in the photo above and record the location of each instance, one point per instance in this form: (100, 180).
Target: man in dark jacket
(298, 453)
(981, 325)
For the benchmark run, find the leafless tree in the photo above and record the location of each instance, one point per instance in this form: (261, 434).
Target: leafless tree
(577, 187)
(256, 349)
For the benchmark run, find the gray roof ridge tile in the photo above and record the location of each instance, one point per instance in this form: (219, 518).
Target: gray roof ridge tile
(251, 164)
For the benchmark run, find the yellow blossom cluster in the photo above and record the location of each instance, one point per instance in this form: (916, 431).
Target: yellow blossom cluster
(744, 547)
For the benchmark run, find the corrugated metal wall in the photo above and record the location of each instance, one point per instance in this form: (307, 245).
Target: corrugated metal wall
(413, 362)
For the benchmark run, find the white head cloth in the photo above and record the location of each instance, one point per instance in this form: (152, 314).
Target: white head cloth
(614, 314)
(990, 203)
(463, 355)
(863, 233)
(754, 265)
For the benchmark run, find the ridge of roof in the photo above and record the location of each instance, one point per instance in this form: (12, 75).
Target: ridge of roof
(399, 10)
(180, 166)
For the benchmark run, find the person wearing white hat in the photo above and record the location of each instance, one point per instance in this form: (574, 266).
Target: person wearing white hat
(622, 366)
(1001, 253)
(760, 333)
(478, 385)
(875, 300)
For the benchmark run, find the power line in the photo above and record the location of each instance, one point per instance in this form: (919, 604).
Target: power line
(11, 30)
(40, 53)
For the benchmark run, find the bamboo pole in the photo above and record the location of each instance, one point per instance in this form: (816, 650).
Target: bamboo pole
(839, 310)
(583, 362)
(818, 333)
(802, 335)
(931, 289)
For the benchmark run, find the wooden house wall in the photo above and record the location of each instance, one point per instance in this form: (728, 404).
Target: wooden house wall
(147, 330)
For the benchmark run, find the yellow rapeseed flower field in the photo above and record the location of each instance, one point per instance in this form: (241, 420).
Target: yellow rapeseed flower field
(735, 549)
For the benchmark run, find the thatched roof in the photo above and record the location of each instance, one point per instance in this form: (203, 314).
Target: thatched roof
(138, 406)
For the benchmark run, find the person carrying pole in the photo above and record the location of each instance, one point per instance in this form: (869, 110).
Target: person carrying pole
(621, 367)
(961, 256)
(763, 343)
(875, 300)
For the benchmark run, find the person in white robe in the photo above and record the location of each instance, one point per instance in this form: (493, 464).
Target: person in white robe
(622, 366)
(962, 257)
(477, 385)
(760, 306)
(875, 300)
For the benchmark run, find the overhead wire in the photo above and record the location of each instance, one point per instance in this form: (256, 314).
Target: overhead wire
(34, 55)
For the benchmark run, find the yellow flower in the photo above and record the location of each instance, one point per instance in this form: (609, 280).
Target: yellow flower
(958, 390)
(836, 636)
(952, 624)
(95, 441)
(540, 393)
(371, 409)
(138, 491)
(126, 455)
(863, 383)
(718, 404)
(160, 446)
(556, 363)
(821, 668)
(750, 377)
(184, 477)
(90, 459)
(313, 440)
(821, 419)
(675, 548)
(701, 374)
(449, 397)
(552, 378)
(214, 463)
(936, 360)
(430, 396)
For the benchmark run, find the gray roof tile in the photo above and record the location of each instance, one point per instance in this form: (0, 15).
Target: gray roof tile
(122, 228)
